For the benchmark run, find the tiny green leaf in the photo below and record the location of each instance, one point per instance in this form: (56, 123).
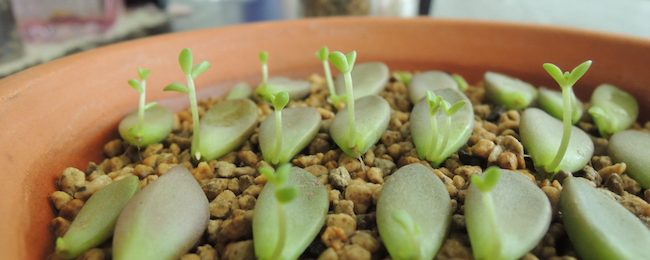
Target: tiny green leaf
(286, 194)
(186, 61)
(487, 181)
(451, 110)
(413, 213)
(404, 77)
(551, 101)
(578, 72)
(144, 73)
(323, 54)
(299, 127)
(429, 81)
(631, 147)
(372, 115)
(598, 226)
(541, 135)
(460, 81)
(368, 78)
(135, 84)
(158, 123)
(240, 91)
(269, 173)
(280, 100)
(264, 57)
(226, 126)
(200, 69)
(556, 73)
(95, 221)
(295, 224)
(159, 224)
(351, 58)
(613, 109)
(509, 92)
(510, 219)
(178, 87)
(340, 61)
(282, 174)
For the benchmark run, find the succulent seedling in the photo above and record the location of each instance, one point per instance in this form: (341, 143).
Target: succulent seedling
(164, 220)
(289, 212)
(368, 78)
(439, 128)
(288, 131)
(334, 99)
(612, 109)
(506, 214)
(372, 113)
(413, 213)
(429, 81)
(151, 123)
(598, 226)
(191, 71)
(95, 221)
(509, 92)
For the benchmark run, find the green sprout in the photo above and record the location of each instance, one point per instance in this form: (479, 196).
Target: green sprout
(505, 213)
(566, 81)
(151, 123)
(186, 62)
(462, 83)
(612, 109)
(436, 152)
(413, 232)
(264, 89)
(345, 63)
(404, 77)
(283, 194)
(279, 101)
(323, 56)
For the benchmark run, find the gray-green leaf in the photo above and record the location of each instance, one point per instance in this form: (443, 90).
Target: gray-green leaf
(462, 124)
(416, 191)
(299, 127)
(509, 92)
(372, 114)
(551, 102)
(367, 79)
(297, 89)
(226, 126)
(598, 226)
(305, 216)
(541, 135)
(631, 147)
(96, 220)
(241, 90)
(508, 221)
(616, 110)
(158, 123)
(429, 81)
(164, 220)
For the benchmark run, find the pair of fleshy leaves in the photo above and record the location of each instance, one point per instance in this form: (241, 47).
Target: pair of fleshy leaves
(151, 123)
(305, 215)
(448, 138)
(151, 224)
(299, 127)
(598, 226)
(506, 214)
(413, 213)
(612, 109)
(372, 115)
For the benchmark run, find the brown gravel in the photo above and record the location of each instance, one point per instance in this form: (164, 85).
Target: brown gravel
(232, 183)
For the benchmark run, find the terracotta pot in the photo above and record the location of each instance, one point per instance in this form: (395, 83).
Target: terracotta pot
(59, 114)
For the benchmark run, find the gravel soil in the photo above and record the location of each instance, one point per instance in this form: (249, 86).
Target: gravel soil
(233, 183)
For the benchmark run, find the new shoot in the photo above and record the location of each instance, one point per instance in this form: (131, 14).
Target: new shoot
(437, 151)
(283, 194)
(566, 81)
(485, 247)
(191, 71)
(345, 63)
(278, 101)
(151, 123)
(335, 100)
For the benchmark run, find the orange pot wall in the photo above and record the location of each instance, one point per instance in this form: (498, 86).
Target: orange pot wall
(59, 114)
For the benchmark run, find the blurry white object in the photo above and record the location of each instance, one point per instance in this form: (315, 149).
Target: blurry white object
(620, 16)
(402, 8)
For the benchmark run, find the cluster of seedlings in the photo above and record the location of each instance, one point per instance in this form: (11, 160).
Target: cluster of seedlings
(507, 215)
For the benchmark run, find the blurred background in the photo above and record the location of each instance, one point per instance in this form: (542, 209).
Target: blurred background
(36, 31)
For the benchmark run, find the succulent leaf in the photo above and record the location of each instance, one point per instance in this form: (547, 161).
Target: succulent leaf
(226, 126)
(613, 109)
(631, 147)
(158, 123)
(299, 127)
(509, 92)
(429, 81)
(367, 78)
(372, 115)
